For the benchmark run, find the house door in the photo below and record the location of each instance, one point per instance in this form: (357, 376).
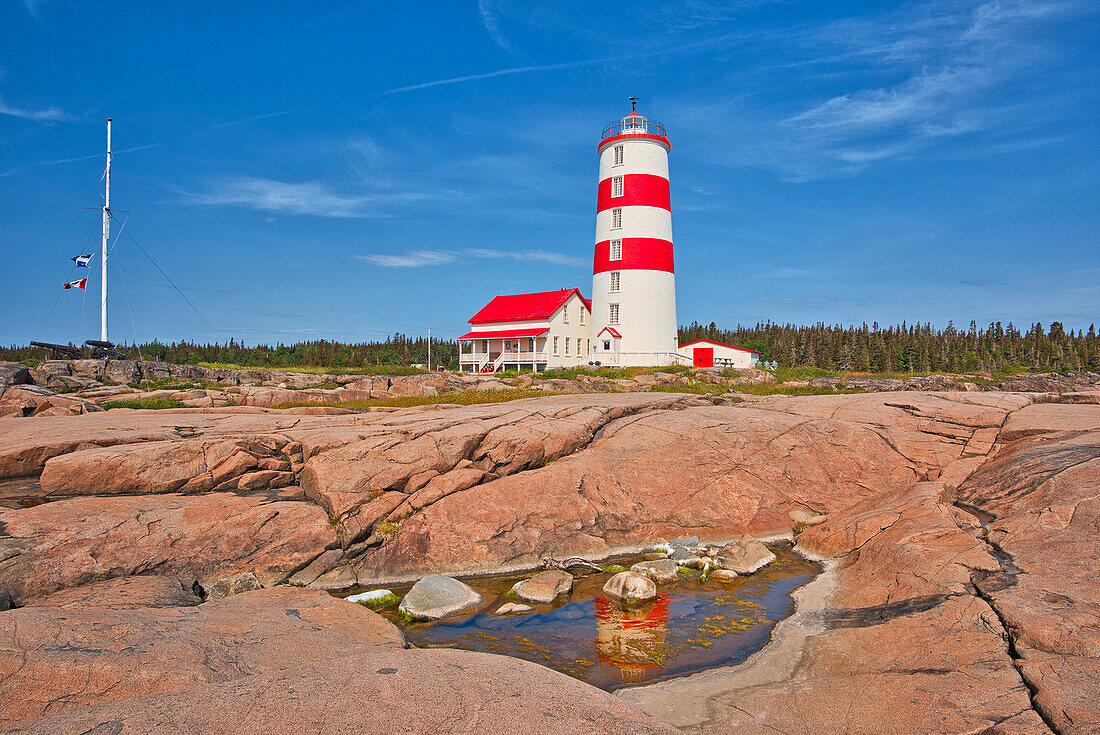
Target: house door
(703, 357)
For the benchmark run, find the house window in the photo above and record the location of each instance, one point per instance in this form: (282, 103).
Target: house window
(616, 218)
(614, 280)
(582, 315)
(618, 155)
(587, 346)
(567, 347)
(555, 346)
(612, 313)
(617, 186)
(531, 345)
(607, 345)
(565, 315)
(484, 345)
(616, 250)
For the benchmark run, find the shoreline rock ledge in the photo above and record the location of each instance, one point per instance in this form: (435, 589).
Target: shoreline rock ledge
(958, 529)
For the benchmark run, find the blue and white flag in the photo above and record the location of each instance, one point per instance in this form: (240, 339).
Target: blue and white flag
(82, 260)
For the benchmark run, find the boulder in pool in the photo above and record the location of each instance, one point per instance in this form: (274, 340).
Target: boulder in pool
(745, 556)
(544, 587)
(662, 571)
(630, 589)
(437, 596)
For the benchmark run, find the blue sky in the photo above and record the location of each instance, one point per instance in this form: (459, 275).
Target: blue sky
(350, 170)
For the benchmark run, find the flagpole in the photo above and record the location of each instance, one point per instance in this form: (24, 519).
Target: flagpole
(106, 236)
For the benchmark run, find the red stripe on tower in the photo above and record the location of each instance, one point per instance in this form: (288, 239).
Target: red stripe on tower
(639, 190)
(638, 253)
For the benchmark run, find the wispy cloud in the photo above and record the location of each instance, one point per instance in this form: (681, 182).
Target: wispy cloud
(784, 273)
(535, 256)
(32, 7)
(410, 259)
(426, 258)
(961, 73)
(49, 114)
(983, 283)
(306, 198)
(491, 23)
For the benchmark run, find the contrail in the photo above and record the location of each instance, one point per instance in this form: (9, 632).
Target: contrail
(504, 72)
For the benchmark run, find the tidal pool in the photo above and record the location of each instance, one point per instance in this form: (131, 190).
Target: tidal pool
(692, 626)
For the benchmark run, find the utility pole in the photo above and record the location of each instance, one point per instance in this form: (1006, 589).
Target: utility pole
(429, 349)
(106, 236)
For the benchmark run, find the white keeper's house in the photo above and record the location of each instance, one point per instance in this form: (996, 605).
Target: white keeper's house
(631, 318)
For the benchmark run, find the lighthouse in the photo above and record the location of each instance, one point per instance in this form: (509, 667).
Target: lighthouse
(633, 278)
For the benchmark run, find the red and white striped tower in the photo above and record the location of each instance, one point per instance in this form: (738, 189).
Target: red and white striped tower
(633, 281)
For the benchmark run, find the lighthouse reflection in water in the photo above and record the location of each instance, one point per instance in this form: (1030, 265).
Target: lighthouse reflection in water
(691, 626)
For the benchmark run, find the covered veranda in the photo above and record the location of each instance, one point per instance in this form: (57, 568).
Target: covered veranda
(503, 349)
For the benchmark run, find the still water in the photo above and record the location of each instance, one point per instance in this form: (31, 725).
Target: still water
(692, 626)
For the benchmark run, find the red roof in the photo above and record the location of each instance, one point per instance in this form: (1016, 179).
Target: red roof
(523, 306)
(506, 333)
(721, 344)
(614, 333)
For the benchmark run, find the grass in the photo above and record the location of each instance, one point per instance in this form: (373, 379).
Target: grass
(784, 374)
(175, 384)
(462, 398)
(321, 369)
(701, 389)
(770, 389)
(144, 403)
(380, 603)
(609, 373)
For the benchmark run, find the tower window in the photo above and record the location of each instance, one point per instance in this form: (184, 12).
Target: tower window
(582, 316)
(612, 313)
(617, 186)
(616, 217)
(618, 155)
(565, 315)
(567, 347)
(616, 250)
(614, 280)
(555, 346)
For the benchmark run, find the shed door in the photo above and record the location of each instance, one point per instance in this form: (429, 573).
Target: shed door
(703, 357)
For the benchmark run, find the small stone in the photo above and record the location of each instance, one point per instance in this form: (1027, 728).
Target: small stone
(655, 556)
(513, 608)
(630, 589)
(723, 575)
(6, 603)
(686, 543)
(660, 571)
(437, 596)
(544, 587)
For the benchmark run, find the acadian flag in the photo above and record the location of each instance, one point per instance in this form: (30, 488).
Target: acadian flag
(82, 260)
(82, 283)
